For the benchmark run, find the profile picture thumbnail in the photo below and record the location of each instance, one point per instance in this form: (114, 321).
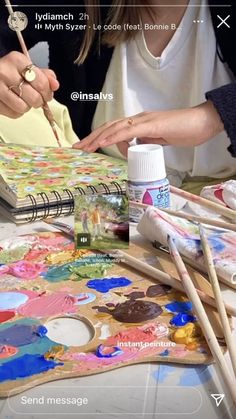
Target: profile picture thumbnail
(17, 21)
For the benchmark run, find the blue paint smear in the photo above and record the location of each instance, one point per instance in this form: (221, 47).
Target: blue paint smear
(181, 319)
(192, 376)
(100, 352)
(19, 335)
(40, 346)
(104, 285)
(165, 353)
(41, 331)
(26, 366)
(10, 300)
(216, 244)
(179, 307)
(195, 376)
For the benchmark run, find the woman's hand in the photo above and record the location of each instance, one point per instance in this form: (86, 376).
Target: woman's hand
(185, 127)
(34, 94)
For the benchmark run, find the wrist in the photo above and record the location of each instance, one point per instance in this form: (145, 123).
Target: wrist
(211, 120)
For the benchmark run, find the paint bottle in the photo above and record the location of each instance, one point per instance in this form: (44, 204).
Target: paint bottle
(147, 182)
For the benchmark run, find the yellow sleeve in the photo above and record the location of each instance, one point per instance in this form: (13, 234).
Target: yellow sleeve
(34, 129)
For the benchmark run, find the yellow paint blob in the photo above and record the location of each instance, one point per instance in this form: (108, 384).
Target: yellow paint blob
(55, 352)
(65, 256)
(189, 335)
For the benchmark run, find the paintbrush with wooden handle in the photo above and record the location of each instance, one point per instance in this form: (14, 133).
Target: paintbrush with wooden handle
(143, 267)
(190, 217)
(203, 320)
(46, 110)
(218, 297)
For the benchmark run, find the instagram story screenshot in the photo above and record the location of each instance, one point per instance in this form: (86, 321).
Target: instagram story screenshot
(117, 209)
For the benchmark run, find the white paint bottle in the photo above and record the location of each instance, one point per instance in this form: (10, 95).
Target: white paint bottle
(147, 182)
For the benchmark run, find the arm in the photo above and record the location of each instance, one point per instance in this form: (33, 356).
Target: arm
(182, 127)
(224, 100)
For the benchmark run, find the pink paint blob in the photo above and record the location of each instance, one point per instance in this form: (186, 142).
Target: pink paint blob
(26, 270)
(7, 351)
(4, 269)
(49, 305)
(147, 333)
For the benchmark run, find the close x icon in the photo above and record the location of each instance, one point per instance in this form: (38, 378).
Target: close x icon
(223, 21)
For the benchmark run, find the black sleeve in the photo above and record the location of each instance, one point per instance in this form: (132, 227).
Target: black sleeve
(224, 100)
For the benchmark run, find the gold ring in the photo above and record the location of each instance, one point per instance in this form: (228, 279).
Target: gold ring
(18, 88)
(130, 121)
(28, 73)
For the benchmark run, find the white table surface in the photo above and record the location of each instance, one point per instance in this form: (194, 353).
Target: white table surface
(149, 390)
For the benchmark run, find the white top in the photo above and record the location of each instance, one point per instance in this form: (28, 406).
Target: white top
(187, 69)
(143, 163)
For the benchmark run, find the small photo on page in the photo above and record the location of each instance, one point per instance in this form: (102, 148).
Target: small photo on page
(102, 222)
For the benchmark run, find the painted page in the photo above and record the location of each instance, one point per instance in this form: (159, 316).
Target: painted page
(32, 170)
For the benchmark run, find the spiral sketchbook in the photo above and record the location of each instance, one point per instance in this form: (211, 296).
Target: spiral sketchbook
(41, 182)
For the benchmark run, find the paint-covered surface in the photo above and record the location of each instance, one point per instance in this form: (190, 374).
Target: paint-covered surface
(26, 366)
(134, 318)
(156, 226)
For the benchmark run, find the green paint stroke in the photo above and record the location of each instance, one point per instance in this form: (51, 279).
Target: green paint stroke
(83, 268)
(13, 255)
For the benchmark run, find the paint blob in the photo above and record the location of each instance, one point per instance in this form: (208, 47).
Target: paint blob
(26, 270)
(10, 300)
(26, 366)
(181, 319)
(7, 351)
(135, 295)
(84, 298)
(179, 307)
(157, 329)
(19, 335)
(188, 335)
(13, 255)
(6, 315)
(136, 311)
(165, 353)
(88, 271)
(4, 269)
(108, 351)
(49, 305)
(158, 290)
(105, 284)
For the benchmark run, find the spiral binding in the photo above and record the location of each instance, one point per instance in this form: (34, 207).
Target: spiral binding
(56, 207)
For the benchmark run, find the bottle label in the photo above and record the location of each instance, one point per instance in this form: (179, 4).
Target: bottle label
(158, 196)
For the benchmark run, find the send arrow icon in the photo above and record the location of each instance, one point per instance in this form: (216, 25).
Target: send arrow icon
(218, 398)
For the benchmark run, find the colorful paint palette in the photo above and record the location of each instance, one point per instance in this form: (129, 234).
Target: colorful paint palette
(131, 318)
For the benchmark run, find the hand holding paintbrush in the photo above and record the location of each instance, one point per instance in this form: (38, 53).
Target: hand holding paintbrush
(37, 86)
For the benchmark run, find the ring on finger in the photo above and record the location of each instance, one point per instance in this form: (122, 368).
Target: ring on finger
(17, 88)
(130, 121)
(28, 73)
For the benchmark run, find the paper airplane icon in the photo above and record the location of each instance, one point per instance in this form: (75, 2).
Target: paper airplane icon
(218, 398)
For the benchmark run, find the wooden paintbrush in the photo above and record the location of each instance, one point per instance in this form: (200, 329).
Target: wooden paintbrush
(219, 209)
(46, 110)
(218, 297)
(190, 217)
(203, 320)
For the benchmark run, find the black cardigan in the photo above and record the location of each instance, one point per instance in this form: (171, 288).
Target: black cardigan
(89, 77)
